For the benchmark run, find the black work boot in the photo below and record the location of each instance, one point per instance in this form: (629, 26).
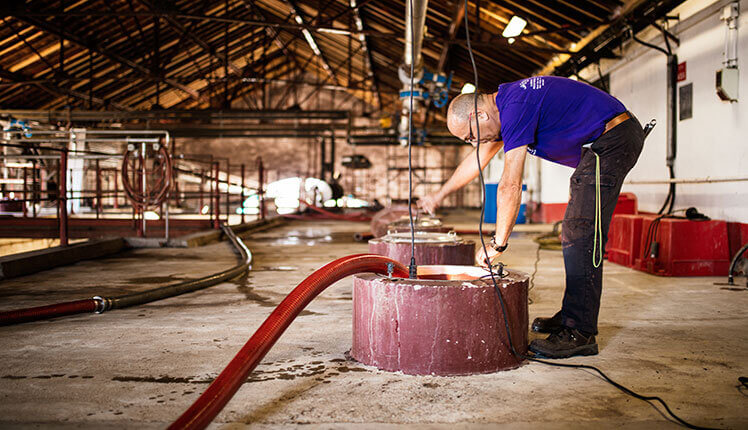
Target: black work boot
(547, 325)
(567, 342)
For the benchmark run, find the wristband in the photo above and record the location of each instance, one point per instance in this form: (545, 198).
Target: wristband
(498, 248)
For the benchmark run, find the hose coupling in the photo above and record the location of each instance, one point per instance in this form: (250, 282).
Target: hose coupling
(500, 269)
(102, 304)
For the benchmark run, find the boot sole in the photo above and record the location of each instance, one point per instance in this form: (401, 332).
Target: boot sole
(580, 350)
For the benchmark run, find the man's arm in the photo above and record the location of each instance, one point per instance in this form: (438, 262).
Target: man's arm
(465, 172)
(509, 193)
(508, 199)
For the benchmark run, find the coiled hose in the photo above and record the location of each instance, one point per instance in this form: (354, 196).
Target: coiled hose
(99, 304)
(223, 388)
(145, 199)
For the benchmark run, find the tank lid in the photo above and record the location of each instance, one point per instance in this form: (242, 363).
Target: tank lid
(422, 237)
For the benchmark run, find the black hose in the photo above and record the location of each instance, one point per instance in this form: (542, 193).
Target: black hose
(187, 286)
(733, 263)
(101, 304)
(412, 270)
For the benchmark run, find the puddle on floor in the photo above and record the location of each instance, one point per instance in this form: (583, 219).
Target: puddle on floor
(244, 286)
(309, 238)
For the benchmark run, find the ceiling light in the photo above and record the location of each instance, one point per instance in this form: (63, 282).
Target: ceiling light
(511, 40)
(514, 27)
(468, 88)
(19, 165)
(334, 31)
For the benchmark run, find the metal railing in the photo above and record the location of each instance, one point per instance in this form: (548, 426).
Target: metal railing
(39, 170)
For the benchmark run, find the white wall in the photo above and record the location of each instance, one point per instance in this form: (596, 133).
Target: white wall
(714, 142)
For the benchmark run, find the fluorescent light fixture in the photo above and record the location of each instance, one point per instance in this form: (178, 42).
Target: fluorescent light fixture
(311, 42)
(151, 216)
(298, 19)
(468, 88)
(11, 181)
(334, 31)
(18, 165)
(514, 27)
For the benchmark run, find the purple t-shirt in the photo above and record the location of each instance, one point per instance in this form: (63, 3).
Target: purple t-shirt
(553, 116)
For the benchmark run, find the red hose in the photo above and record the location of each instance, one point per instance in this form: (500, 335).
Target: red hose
(49, 311)
(223, 388)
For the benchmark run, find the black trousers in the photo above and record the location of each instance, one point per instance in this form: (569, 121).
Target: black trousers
(618, 149)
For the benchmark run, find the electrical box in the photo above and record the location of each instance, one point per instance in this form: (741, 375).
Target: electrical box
(727, 83)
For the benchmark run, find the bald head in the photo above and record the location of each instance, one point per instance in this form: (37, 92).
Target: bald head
(459, 114)
(463, 105)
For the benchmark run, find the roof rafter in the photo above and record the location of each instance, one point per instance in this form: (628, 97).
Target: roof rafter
(163, 5)
(56, 90)
(95, 47)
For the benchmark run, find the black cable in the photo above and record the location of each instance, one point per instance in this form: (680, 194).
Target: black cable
(412, 270)
(501, 274)
(670, 199)
(535, 268)
(647, 44)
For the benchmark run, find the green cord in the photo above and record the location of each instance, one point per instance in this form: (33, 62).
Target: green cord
(598, 214)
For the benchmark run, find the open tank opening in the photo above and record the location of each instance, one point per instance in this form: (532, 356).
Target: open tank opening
(452, 273)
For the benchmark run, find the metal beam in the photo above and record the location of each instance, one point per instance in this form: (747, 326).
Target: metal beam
(360, 25)
(172, 115)
(97, 48)
(492, 43)
(162, 5)
(454, 26)
(300, 18)
(637, 19)
(55, 89)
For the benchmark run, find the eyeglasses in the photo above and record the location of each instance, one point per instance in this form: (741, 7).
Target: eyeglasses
(471, 138)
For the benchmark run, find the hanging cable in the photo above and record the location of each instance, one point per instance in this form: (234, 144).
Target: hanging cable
(667, 205)
(501, 267)
(412, 269)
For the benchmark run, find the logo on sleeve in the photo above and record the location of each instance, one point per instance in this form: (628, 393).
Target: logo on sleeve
(531, 150)
(536, 83)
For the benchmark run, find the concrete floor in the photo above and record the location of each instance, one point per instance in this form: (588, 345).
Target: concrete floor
(683, 339)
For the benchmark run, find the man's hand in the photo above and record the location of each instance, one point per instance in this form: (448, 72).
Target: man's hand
(482, 260)
(429, 203)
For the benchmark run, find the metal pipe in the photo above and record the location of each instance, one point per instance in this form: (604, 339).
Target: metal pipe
(241, 205)
(116, 187)
(144, 180)
(56, 157)
(94, 140)
(414, 35)
(25, 178)
(62, 201)
(228, 191)
(82, 115)
(261, 187)
(217, 199)
(34, 194)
